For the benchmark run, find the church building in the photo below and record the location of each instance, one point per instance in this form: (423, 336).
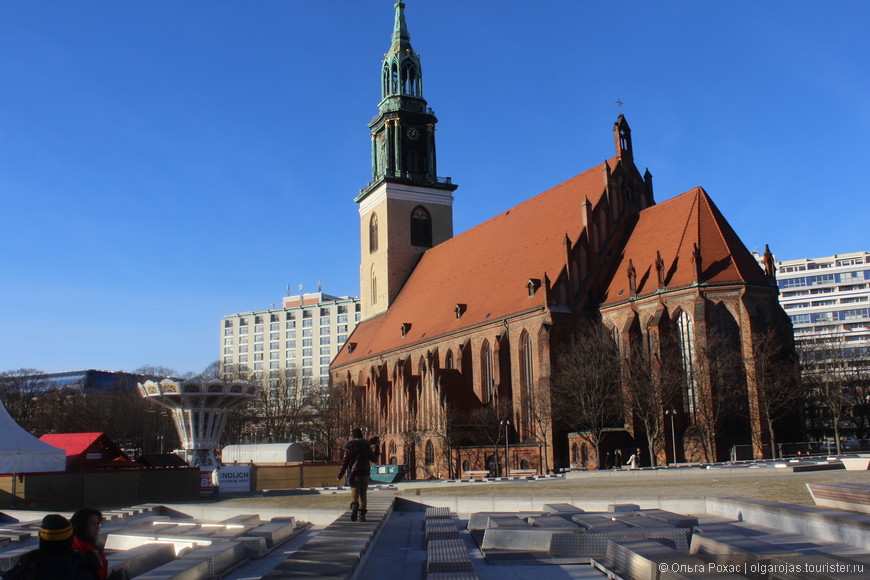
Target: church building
(457, 347)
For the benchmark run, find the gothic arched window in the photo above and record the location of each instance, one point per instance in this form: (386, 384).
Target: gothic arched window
(527, 376)
(421, 227)
(373, 233)
(430, 453)
(448, 360)
(486, 371)
(687, 359)
(374, 286)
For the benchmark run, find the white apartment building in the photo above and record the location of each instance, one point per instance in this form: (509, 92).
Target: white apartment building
(828, 299)
(301, 337)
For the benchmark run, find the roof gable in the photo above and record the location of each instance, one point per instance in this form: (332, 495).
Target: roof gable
(672, 229)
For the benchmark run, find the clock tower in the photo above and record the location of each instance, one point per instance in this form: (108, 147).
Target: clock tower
(407, 208)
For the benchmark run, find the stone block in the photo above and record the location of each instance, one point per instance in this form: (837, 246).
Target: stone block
(621, 508)
(561, 508)
(136, 561)
(447, 556)
(275, 533)
(255, 546)
(527, 540)
(642, 559)
(441, 532)
(178, 570)
(552, 522)
(220, 556)
(437, 512)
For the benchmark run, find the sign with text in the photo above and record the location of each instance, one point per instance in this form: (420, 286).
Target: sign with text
(235, 478)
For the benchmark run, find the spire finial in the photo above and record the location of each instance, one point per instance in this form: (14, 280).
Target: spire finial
(400, 29)
(619, 104)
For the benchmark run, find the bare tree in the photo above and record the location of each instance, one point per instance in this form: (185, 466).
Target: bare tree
(775, 379)
(156, 371)
(587, 384)
(20, 390)
(653, 385)
(829, 374)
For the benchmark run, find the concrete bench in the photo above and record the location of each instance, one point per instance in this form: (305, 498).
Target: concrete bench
(847, 496)
(524, 472)
(475, 474)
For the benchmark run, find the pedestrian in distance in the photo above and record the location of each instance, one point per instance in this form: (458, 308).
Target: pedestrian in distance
(617, 459)
(55, 558)
(608, 461)
(216, 482)
(634, 460)
(356, 466)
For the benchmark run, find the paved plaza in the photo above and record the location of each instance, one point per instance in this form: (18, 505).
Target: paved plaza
(642, 524)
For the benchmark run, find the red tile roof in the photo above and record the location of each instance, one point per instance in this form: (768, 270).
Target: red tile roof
(673, 228)
(486, 268)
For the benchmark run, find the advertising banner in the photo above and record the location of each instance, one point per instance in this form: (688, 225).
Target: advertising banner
(235, 478)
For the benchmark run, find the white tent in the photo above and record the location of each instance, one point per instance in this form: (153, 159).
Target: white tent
(21, 452)
(263, 453)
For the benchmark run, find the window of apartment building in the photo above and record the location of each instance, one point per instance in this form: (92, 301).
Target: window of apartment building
(324, 350)
(307, 373)
(290, 344)
(324, 360)
(324, 311)
(258, 366)
(274, 335)
(357, 307)
(228, 341)
(290, 334)
(258, 356)
(243, 358)
(274, 365)
(274, 345)
(853, 299)
(342, 309)
(274, 326)
(306, 362)
(342, 328)
(274, 355)
(228, 360)
(228, 350)
(243, 348)
(243, 330)
(324, 320)
(324, 372)
(258, 348)
(306, 352)
(324, 330)
(258, 338)
(307, 342)
(307, 332)
(356, 317)
(307, 314)
(228, 332)
(258, 328)
(290, 324)
(290, 354)
(291, 316)
(243, 340)
(273, 317)
(306, 382)
(228, 323)
(341, 339)
(341, 318)
(324, 340)
(307, 323)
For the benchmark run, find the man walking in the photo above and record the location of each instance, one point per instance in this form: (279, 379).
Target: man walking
(358, 456)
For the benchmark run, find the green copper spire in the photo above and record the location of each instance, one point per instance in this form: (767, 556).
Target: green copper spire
(402, 72)
(403, 133)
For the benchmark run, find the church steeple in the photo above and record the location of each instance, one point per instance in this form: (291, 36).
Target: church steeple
(406, 208)
(403, 133)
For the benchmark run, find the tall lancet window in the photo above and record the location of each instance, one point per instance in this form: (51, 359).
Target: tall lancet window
(527, 380)
(687, 359)
(486, 371)
(373, 233)
(421, 227)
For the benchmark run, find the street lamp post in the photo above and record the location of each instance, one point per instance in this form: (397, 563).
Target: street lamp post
(507, 466)
(673, 412)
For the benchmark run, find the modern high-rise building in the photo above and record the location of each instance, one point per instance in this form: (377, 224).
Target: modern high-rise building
(827, 299)
(301, 337)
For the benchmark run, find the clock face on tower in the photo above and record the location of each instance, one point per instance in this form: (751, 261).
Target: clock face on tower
(413, 133)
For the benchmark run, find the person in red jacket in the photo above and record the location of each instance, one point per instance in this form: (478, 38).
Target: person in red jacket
(358, 457)
(86, 532)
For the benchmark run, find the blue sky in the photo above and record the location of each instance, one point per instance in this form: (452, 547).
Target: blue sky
(163, 164)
